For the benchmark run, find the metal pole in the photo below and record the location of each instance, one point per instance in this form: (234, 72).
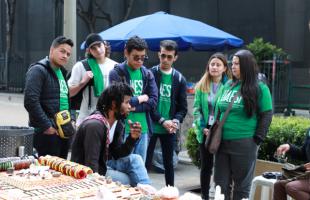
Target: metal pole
(273, 81)
(70, 28)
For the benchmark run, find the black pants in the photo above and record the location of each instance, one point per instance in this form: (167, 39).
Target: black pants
(167, 142)
(206, 159)
(51, 145)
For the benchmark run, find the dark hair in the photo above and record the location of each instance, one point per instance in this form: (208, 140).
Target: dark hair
(107, 53)
(114, 92)
(61, 40)
(169, 45)
(249, 83)
(136, 43)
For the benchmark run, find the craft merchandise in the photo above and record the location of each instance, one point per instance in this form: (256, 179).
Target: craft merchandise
(65, 166)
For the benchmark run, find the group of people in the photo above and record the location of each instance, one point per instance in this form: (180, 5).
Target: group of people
(244, 129)
(126, 108)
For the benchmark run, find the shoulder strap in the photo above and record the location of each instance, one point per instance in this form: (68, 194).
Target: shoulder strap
(86, 65)
(89, 84)
(229, 108)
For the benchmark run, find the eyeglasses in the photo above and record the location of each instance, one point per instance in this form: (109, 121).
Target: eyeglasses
(142, 58)
(163, 56)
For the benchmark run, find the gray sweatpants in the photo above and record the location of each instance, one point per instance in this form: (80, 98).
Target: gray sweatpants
(235, 163)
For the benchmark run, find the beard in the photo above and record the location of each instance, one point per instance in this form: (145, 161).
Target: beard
(120, 116)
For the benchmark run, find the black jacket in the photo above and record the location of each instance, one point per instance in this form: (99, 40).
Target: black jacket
(89, 145)
(178, 107)
(121, 74)
(302, 153)
(42, 94)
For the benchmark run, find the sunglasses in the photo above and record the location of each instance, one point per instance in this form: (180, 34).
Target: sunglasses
(142, 58)
(163, 56)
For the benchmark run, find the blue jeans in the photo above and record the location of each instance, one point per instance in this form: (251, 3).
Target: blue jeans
(133, 166)
(141, 145)
(118, 176)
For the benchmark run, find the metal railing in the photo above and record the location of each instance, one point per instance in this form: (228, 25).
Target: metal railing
(14, 79)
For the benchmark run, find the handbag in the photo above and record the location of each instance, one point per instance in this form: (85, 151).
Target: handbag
(64, 125)
(214, 137)
(294, 172)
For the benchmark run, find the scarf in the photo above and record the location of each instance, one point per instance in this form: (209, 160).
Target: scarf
(98, 78)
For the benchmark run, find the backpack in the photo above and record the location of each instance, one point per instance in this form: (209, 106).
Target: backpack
(76, 100)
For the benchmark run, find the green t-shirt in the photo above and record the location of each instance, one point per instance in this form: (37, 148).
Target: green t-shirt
(64, 101)
(238, 125)
(164, 102)
(136, 83)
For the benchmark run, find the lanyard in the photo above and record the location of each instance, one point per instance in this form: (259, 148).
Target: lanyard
(212, 97)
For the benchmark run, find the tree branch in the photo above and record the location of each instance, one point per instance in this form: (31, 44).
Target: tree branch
(128, 10)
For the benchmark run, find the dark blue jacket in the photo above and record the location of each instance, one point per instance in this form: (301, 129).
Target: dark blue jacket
(178, 108)
(42, 94)
(121, 74)
(302, 153)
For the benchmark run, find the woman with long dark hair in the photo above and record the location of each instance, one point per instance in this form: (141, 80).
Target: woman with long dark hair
(245, 127)
(215, 76)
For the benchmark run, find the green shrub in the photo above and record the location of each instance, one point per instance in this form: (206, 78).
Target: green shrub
(264, 50)
(282, 130)
(192, 147)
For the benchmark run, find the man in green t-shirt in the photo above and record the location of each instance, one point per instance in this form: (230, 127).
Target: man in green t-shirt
(142, 81)
(46, 93)
(171, 108)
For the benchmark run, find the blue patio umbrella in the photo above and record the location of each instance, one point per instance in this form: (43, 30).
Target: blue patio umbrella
(186, 32)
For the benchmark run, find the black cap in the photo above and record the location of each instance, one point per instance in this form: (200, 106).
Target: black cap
(92, 39)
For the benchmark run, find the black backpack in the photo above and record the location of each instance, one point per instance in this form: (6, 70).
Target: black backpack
(76, 100)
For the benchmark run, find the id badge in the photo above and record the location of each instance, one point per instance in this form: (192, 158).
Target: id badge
(211, 120)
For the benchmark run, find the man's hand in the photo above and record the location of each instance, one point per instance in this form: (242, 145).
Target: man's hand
(307, 166)
(87, 76)
(170, 126)
(143, 98)
(51, 131)
(135, 129)
(206, 131)
(282, 149)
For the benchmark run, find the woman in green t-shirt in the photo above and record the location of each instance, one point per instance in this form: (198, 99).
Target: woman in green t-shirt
(206, 91)
(245, 127)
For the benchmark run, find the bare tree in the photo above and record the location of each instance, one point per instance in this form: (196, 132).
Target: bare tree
(128, 9)
(10, 19)
(94, 11)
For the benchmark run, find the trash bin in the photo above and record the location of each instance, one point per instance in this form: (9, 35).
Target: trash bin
(12, 137)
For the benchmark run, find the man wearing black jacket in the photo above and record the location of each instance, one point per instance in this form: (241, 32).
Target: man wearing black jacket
(97, 146)
(171, 108)
(297, 189)
(46, 93)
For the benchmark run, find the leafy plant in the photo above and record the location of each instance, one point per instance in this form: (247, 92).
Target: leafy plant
(192, 147)
(282, 130)
(264, 50)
